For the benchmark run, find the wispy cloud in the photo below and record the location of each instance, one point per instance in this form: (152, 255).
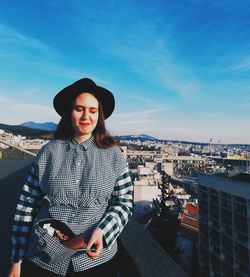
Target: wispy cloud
(5, 100)
(13, 39)
(141, 114)
(150, 102)
(14, 111)
(19, 50)
(136, 122)
(243, 65)
(140, 44)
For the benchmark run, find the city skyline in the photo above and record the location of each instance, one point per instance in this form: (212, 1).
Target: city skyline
(178, 70)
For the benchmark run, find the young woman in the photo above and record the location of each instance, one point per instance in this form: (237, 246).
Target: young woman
(78, 194)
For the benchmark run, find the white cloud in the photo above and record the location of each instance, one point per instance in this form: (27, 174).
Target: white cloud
(243, 65)
(18, 50)
(139, 114)
(4, 100)
(150, 102)
(13, 111)
(11, 40)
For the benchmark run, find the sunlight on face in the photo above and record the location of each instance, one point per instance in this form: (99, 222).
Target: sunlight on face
(84, 116)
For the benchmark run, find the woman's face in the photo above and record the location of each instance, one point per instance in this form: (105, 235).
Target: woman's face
(84, 116)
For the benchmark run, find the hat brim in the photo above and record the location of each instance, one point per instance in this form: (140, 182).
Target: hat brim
(64, 99)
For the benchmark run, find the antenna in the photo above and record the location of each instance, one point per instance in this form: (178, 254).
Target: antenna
(210, 145)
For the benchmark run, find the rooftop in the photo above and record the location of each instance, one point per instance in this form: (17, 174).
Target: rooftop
(226, 184)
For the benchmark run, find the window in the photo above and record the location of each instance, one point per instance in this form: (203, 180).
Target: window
(241, 254)
(240, 208)
(240, 223)
(226, 217)
(225, 200)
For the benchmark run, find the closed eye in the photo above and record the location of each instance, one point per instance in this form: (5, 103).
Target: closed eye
(78, 108)
(93, 110)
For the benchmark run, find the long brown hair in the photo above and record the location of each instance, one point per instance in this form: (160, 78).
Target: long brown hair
(102, 137)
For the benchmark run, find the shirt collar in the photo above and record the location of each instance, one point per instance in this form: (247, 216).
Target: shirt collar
(73, 143)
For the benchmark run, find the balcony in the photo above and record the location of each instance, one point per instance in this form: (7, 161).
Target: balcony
(139, 254)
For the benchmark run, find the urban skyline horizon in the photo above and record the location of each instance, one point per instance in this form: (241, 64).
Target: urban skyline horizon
(210, 140)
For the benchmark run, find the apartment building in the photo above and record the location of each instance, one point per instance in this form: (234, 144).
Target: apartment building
(224, 220)
(186, 162)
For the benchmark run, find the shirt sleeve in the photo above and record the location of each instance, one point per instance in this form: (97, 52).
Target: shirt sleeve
(120, 209)
(29, 201)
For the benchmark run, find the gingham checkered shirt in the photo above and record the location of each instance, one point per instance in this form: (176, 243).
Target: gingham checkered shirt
(32, 199)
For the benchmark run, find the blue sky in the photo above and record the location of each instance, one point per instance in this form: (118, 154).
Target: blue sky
(178, 69)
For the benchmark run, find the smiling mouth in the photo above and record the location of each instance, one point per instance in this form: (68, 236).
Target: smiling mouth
(84, 124)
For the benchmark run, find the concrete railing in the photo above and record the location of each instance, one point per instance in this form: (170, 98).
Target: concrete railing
(17, 147)
(142, 256)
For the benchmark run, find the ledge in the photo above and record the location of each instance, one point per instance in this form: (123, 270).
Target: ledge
(142, 256)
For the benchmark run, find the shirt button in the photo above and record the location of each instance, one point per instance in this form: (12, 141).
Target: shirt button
(77, 181)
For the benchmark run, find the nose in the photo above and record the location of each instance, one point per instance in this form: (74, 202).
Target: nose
(84, 114)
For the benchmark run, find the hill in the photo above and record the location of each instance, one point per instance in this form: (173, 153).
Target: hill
(48, 126)
(27, 132)
(137, 137)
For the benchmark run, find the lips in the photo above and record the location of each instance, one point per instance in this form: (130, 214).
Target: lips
(84, 124)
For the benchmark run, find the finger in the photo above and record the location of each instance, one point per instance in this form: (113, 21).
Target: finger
(91, 254)
(96, 253)
(90, 244)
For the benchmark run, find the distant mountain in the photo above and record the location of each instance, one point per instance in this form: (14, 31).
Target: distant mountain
(48, 126)
(137, 137)
(27, 132)
(144, 137)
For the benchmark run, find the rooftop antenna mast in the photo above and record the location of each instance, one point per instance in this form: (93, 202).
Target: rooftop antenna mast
(210, 145)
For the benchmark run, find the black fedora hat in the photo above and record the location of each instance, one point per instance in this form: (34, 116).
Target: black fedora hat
(65, 97)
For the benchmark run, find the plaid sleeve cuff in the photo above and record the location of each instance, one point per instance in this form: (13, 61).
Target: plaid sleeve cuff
(120, 209)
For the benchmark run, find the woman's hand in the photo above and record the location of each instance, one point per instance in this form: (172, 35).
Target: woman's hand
(15, 270)
(95, 240)
(76, 242)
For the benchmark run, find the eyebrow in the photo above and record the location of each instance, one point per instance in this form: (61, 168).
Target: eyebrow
(80, 106)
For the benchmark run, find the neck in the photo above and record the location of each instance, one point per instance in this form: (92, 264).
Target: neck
(83, 138)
